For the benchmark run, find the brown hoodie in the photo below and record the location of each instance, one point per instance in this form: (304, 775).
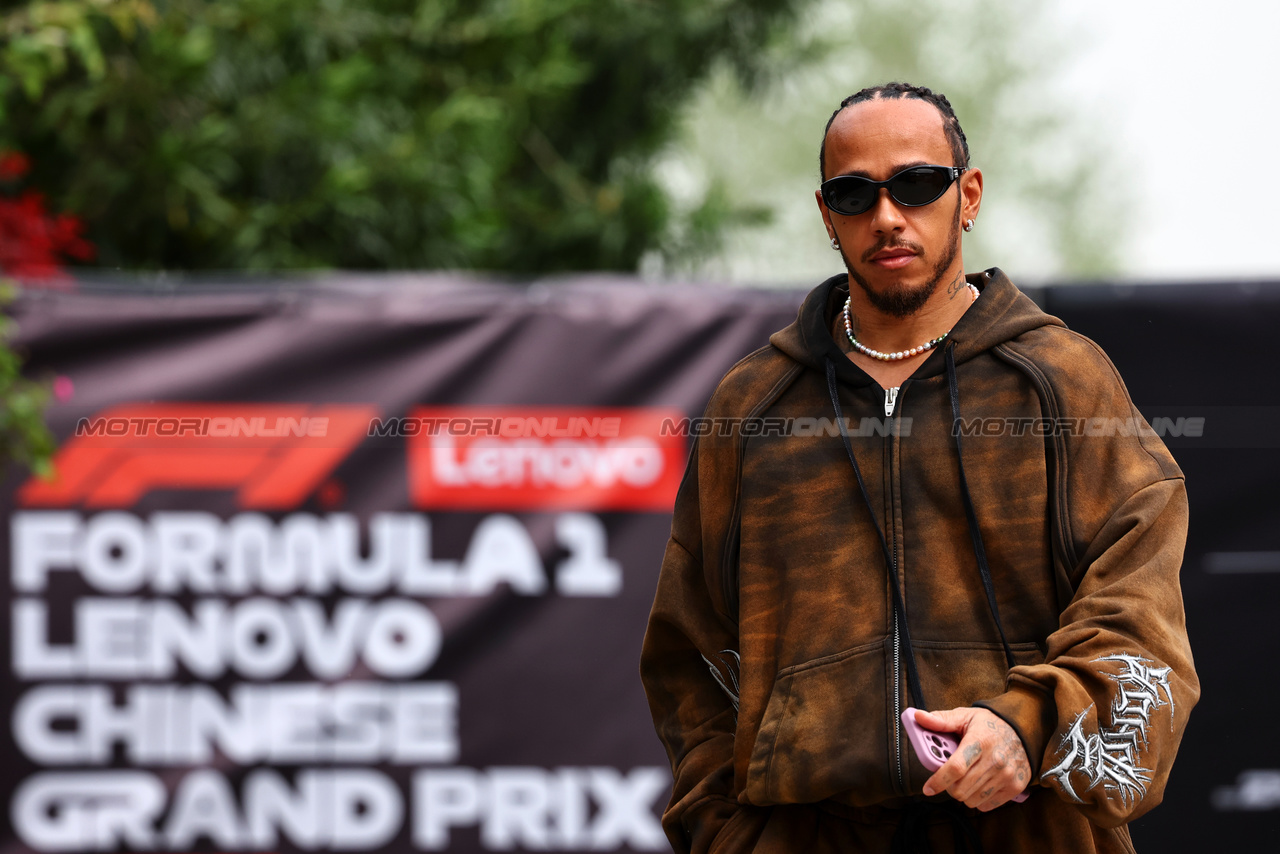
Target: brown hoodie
(776, 661)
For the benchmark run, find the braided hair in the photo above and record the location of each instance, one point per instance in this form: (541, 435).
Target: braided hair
(950, 124)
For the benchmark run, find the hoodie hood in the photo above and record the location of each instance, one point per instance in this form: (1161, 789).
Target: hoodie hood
(1001, 313)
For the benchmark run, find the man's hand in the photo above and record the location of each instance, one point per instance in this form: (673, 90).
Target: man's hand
(988, 768)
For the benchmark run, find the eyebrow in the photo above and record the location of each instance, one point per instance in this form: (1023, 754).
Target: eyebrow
(858, 173)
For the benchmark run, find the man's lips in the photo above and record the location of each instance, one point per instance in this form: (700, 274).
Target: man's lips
(892, 259)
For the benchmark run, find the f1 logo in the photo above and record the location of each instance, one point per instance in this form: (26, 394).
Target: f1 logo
(272, 455)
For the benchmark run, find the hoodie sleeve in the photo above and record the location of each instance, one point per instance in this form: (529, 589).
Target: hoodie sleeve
(1102, 717)
(690, 662)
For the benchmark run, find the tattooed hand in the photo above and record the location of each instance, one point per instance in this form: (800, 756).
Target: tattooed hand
(989, 768)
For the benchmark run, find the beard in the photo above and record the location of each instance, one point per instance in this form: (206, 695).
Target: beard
(899, 300)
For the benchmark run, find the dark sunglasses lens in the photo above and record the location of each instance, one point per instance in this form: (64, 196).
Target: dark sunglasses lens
(848, 195)
(917, 187)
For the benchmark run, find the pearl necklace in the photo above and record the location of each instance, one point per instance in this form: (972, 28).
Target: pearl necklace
(901, 354)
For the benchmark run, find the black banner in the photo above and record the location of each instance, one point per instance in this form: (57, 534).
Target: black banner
(1202, 351)
(365, 564)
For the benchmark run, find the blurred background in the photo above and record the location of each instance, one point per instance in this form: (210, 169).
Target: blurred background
(324, 224)
(672, 139)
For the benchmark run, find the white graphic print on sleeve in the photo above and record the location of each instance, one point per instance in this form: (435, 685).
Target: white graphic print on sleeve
(727, 678)
(1110, 756)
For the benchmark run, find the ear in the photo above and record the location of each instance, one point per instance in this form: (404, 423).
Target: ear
(826, 215)
(970, 193)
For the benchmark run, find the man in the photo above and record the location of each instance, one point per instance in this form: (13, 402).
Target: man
(967, 516)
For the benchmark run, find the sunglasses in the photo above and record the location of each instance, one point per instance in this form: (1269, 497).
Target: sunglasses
(912, 187)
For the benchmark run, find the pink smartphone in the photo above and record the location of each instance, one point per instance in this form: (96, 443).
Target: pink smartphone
(933, 748)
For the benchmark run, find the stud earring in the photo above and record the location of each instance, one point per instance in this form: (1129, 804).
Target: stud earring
(835, 244)
(968, 225)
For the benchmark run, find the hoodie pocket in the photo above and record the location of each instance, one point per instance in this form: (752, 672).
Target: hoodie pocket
(826, 730)
(957, 674)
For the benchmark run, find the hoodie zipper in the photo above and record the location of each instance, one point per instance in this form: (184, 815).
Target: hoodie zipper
(901, 628)
(897, 711)
(890, 402)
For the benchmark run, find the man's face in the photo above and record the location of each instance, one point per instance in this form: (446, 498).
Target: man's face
(898, 255)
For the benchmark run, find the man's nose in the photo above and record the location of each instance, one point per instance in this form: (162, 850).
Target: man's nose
(885, 214)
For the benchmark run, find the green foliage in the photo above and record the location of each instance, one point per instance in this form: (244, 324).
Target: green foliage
(24, 438)
(511, 135)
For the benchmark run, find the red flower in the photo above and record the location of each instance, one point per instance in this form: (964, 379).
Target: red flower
(13, 164)
(31, 240)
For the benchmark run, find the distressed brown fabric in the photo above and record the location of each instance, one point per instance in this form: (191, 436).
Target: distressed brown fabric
(769, 657)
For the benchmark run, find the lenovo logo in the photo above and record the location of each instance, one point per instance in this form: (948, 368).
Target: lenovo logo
(554, 457)
(272, 455)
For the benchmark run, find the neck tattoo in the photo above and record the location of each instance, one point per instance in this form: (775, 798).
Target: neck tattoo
(901, 354)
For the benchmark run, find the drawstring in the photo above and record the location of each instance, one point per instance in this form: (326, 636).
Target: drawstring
(913, 678)
(974, 532)
(912, 835)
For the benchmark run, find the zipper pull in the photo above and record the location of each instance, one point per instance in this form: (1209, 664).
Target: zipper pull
(890, 398)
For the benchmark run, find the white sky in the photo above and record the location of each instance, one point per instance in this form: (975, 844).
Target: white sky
(1193, 85)
(1184, 94)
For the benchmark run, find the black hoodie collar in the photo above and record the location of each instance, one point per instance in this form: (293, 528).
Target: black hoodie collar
(1002, 313)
